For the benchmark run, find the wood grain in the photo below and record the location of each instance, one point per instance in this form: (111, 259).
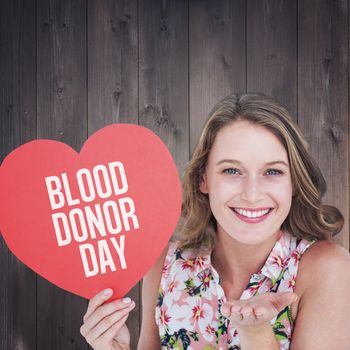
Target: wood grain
(272, 50)
(323, 66)
(62, 116)
(113, 85)
(18, 306)
(217, 56)
(69, 68)
(163, 73)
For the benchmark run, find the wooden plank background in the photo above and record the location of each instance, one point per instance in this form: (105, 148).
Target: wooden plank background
(68, 68)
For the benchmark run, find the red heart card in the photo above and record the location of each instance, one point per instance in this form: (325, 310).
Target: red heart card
(91, 220)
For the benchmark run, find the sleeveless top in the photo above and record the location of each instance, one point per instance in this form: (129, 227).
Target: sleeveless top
(190, 297)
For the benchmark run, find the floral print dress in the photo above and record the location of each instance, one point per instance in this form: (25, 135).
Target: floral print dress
(190, 297)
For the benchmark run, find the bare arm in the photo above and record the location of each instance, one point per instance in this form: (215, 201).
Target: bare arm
(258, 338)
(322, 321)
(149, 337)
(252, 317)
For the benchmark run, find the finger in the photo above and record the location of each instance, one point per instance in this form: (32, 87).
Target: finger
(236, 317)
(260, 312)
(105, 310)
(236, 314)
(281, 300)
(97, 301)
(114, 329)
(248, 315)
(226, 310)
(111, 320)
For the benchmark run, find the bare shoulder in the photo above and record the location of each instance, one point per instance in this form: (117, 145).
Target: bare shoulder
(149, 336)
(321, 264)
(326, 247)
(323, 283)
(323, 257)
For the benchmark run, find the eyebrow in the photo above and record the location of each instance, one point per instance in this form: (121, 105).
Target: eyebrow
(234, 161)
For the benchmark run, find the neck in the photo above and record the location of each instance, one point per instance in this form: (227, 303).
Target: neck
(235, 260)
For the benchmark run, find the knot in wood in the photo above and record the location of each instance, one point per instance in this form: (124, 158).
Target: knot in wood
(163, 24)
(336, 134)
(59, 92)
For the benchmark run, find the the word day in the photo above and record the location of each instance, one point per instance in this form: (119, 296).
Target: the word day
(104, 219)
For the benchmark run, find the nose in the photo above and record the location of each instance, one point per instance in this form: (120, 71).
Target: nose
(252, 190)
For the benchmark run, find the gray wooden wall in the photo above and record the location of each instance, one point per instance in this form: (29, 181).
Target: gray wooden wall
(70, 67)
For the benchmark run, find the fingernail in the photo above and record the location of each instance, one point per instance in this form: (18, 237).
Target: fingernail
(295, 297)
(225, 310)
(126, 300)
(107, 292)
(236, 308)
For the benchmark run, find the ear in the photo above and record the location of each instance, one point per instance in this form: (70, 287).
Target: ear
(203, 186)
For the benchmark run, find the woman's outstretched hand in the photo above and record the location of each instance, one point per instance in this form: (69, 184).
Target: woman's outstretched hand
(257, 310)
(104, 323)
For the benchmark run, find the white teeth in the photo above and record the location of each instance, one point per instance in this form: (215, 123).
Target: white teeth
(251, 214)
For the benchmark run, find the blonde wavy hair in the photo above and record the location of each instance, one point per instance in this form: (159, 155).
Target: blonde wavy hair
(308, 217)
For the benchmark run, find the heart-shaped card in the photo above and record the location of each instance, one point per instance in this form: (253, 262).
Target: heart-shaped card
(95, 219)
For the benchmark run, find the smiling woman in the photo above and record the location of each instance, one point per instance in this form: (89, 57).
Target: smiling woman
(254, 255)
(252, 207)
(252, 189)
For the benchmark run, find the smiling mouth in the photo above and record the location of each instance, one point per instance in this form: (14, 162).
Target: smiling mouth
(252, 214)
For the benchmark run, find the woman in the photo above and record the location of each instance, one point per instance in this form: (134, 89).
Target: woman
(234, 278)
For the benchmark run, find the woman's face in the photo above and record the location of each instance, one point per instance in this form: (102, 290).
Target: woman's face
(248, 182)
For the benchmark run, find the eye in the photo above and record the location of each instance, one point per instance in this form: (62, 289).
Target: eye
(274, 172)
(231, 171)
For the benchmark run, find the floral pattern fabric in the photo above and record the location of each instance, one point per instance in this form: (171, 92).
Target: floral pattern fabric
(190, 297)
